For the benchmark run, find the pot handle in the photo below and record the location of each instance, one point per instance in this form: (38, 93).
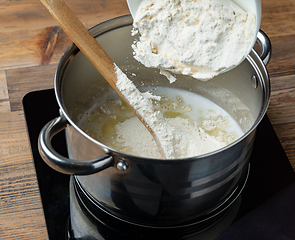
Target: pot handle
(61, 163)
(265, 44)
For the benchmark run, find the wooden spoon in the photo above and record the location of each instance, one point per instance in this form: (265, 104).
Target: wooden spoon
(92, 50)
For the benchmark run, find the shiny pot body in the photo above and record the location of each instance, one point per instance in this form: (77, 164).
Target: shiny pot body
(87, 221)
(153, 191)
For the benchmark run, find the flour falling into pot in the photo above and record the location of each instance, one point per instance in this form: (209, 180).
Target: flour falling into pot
(200, 38)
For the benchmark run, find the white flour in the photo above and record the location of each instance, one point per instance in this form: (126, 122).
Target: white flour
(200, 38)
(192, 140)
(143, 104)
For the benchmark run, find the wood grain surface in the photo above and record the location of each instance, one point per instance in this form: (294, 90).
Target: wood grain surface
(31, 44)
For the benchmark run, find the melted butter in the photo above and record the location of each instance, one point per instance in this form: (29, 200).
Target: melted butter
(101, 120)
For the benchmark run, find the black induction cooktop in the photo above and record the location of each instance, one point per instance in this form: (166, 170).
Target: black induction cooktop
(268, 200)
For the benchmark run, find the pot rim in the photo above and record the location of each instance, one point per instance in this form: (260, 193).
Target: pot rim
(126, 20)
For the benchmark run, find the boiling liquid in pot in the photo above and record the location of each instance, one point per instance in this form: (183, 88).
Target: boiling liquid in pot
(201, 125)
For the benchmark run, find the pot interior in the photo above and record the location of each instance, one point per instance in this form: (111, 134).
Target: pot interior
(243, 92)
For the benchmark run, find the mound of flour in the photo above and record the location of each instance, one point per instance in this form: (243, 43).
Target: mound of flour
(192, 140)
(200, 38)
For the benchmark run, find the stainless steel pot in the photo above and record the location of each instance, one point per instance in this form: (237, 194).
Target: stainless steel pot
(153, 191)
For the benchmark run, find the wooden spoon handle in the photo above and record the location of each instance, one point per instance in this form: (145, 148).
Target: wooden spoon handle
(83, 39)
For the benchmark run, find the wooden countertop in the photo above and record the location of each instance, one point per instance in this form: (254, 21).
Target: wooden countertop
(31, 44)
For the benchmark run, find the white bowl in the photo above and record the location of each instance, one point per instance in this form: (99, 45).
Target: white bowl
(253, 6)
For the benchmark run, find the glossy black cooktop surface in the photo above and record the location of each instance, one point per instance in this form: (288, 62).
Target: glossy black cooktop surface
(270, 173)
